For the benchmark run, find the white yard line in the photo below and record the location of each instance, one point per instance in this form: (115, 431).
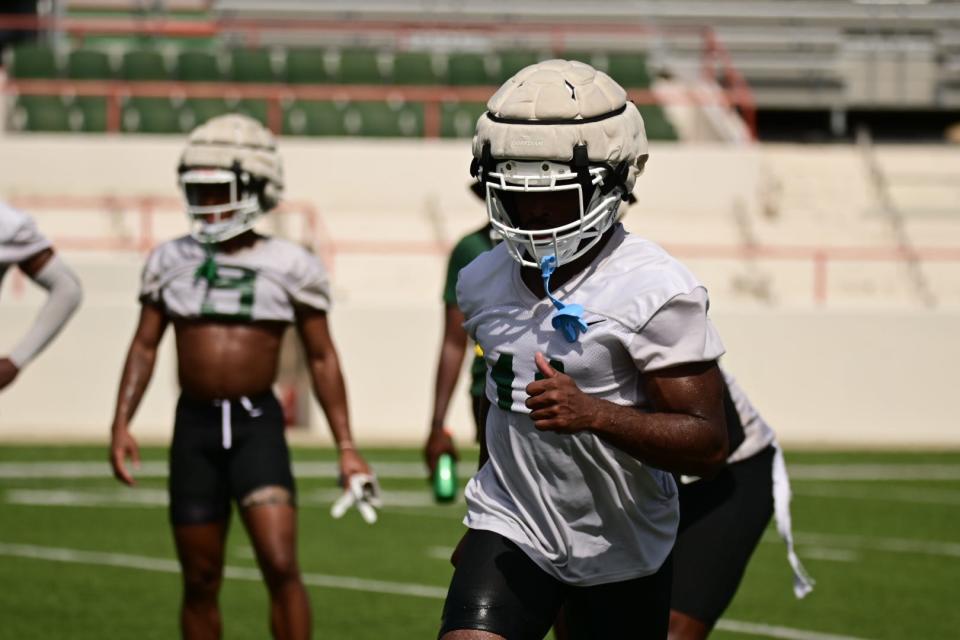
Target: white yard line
(145, 563)
(874, 472)
(895, 545)
(141, 497)
(771, 631)
(800, 472)
(943, 497)
(829, 554)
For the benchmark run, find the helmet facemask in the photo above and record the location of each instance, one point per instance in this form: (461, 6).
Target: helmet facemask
(596, 202)
(238, 202)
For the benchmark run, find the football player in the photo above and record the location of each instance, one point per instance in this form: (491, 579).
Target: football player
(23, 245)
(722, 519)
(454, 346)
(230, 294)
(602, 374)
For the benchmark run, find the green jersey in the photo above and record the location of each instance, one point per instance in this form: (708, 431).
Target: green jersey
(469, 247)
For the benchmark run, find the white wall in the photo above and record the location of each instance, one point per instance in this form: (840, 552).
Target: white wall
(866, 375)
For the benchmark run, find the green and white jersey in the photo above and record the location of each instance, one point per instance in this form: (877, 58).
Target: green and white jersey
(265, 281)
(583, 510)
(19, 237)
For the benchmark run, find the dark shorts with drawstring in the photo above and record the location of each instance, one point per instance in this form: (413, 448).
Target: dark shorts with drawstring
(205, 476)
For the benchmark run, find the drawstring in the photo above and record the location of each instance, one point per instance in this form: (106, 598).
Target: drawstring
(226, 424)
(569, 317)
(252, 411)
(226, 418)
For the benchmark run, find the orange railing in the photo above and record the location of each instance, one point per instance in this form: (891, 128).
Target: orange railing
(314, 231)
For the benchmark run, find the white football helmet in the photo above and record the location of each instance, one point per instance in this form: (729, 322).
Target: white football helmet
(234, 159)
(558, 126)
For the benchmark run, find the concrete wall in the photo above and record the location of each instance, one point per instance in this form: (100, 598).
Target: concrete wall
(874, 374)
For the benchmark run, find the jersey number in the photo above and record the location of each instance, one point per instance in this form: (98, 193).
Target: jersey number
(230, 295)
(503, 375)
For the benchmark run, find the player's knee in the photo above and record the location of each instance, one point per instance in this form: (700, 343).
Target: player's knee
(202, 584)
(280, 569)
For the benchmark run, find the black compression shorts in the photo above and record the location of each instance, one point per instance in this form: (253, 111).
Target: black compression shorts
(721, 522)
(212, 462)
(497, 588)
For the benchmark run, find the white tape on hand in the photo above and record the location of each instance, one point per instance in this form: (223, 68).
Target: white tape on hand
(362, 490)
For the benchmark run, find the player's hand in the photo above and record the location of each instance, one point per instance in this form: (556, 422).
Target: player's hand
(351, 462)
(556, 403)
(438, 443)
(124, 447)
(8, 372)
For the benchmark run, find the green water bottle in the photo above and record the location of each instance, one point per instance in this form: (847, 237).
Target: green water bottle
(445, 479)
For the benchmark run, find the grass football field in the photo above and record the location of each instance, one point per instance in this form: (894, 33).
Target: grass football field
(82, 557)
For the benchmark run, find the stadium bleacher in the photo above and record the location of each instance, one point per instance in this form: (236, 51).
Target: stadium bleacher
(279, 67)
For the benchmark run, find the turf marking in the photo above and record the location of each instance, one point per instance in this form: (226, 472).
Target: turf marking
(162, 565)
(74, 556)
(772, 631)
(942, 497)
(158, 469)
(826, 553)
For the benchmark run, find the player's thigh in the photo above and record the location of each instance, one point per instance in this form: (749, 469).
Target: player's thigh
(631, 609)
(497, 589)
(719, 531)
(273, 533)
(198, 481)
(259, 467)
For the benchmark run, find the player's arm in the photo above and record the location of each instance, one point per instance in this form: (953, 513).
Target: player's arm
(328, 385)
(685, 433)
(452, 349)
(137, 371)
(64, 294)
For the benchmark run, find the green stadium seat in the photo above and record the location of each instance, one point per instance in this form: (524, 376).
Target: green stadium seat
(89, 64)
(629, 69)
(306, 66)
(41, 113)
(384, 120)
(512, 61)
(313, 118)
(93, 112)
(151, 115)
(414, 67)
(655, 122)
(360, 66)
(251, 65)
(468, 69)
(143, 64)
(459, 119)
(198, 66)
(588, 57)
(196, 111)
(33, 61)
(256, 109)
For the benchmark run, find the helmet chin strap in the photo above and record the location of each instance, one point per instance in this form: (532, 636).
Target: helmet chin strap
(568, 319)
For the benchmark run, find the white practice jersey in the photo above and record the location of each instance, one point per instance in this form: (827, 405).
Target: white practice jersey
(757, 434)
(265, 281)
(19, 237)
(584, 511)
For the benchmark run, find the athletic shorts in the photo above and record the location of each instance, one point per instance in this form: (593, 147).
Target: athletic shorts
(721, 522)
(223, 450)
(497, 588)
